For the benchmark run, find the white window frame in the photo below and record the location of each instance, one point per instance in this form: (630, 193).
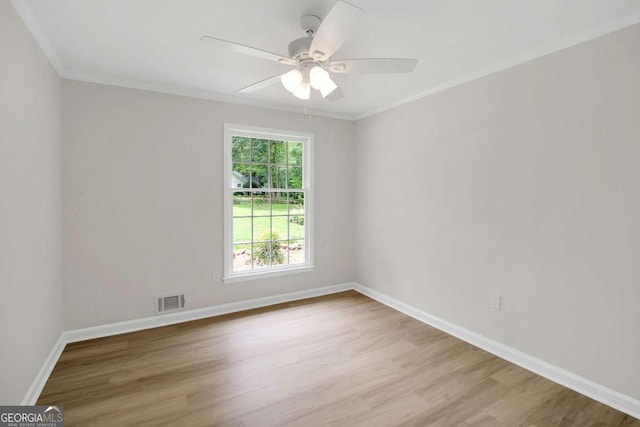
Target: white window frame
(231, 130)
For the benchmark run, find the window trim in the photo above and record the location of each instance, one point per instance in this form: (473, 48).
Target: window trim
(230, 130)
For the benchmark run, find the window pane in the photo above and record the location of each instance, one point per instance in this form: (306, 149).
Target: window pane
(240, 149)
(241, 230)
(241, 257)
(268, 207)
(294, 177)
(279, 204)
(241, 204)
(268, 253)
(259, 176)
(259, 150)
(261, 205)
(262, 254)
(279, 253)
(295, 153)
(296, 216)
(296, 252)
(278, 152)
(240, 175)
(278, 176)
(261, 228)
(280, 228)
(296, 227)
(296, 203)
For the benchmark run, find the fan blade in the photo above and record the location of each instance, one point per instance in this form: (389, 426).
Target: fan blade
(248, 50)
(261, 84)
(334, 30)
(374, 65)
(335, 95)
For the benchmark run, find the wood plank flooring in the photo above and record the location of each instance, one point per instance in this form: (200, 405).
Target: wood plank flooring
(342, 360)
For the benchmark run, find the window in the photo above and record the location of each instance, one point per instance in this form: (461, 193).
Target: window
(268, 200)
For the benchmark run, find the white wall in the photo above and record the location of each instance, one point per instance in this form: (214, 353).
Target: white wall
(523, 183)
(30, 267)
(143, 196)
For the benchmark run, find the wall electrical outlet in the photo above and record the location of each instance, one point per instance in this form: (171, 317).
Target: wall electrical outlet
(216, 276)
(496, 301)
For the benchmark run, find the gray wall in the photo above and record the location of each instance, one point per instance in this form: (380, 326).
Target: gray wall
(30, 277)
(522, 183)
(143, 196)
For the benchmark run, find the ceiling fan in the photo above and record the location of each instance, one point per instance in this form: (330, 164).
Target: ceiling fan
(312, 55)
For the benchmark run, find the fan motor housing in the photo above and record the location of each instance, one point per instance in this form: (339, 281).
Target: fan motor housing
(299, 48)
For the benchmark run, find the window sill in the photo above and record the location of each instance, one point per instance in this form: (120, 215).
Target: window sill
(268, 274)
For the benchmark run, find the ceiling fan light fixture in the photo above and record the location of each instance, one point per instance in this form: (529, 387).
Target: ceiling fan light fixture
(318, 78)
(311, 55)
(329, 87)
(292, 80)
(303, 91)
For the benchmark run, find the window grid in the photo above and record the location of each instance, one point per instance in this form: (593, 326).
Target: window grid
(283, 187)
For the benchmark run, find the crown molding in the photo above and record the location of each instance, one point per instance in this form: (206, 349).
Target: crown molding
(26, 14)
(509, 63)
(31, 22)
(197, 93)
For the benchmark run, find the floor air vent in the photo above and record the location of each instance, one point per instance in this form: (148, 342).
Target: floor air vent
(170, 303)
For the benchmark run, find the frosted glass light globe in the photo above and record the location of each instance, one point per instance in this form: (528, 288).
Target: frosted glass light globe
(319, 78)
(329, 87)
(291, 80)
(303, 91)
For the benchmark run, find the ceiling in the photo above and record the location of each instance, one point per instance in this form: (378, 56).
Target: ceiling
(153, 44)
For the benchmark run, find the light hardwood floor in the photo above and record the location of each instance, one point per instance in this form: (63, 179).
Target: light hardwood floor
(342, 360)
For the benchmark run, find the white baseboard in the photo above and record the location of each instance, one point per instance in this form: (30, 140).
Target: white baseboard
(41, 378)
(582, 385)
(75, 335)
(575, 382)
(198, 313)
